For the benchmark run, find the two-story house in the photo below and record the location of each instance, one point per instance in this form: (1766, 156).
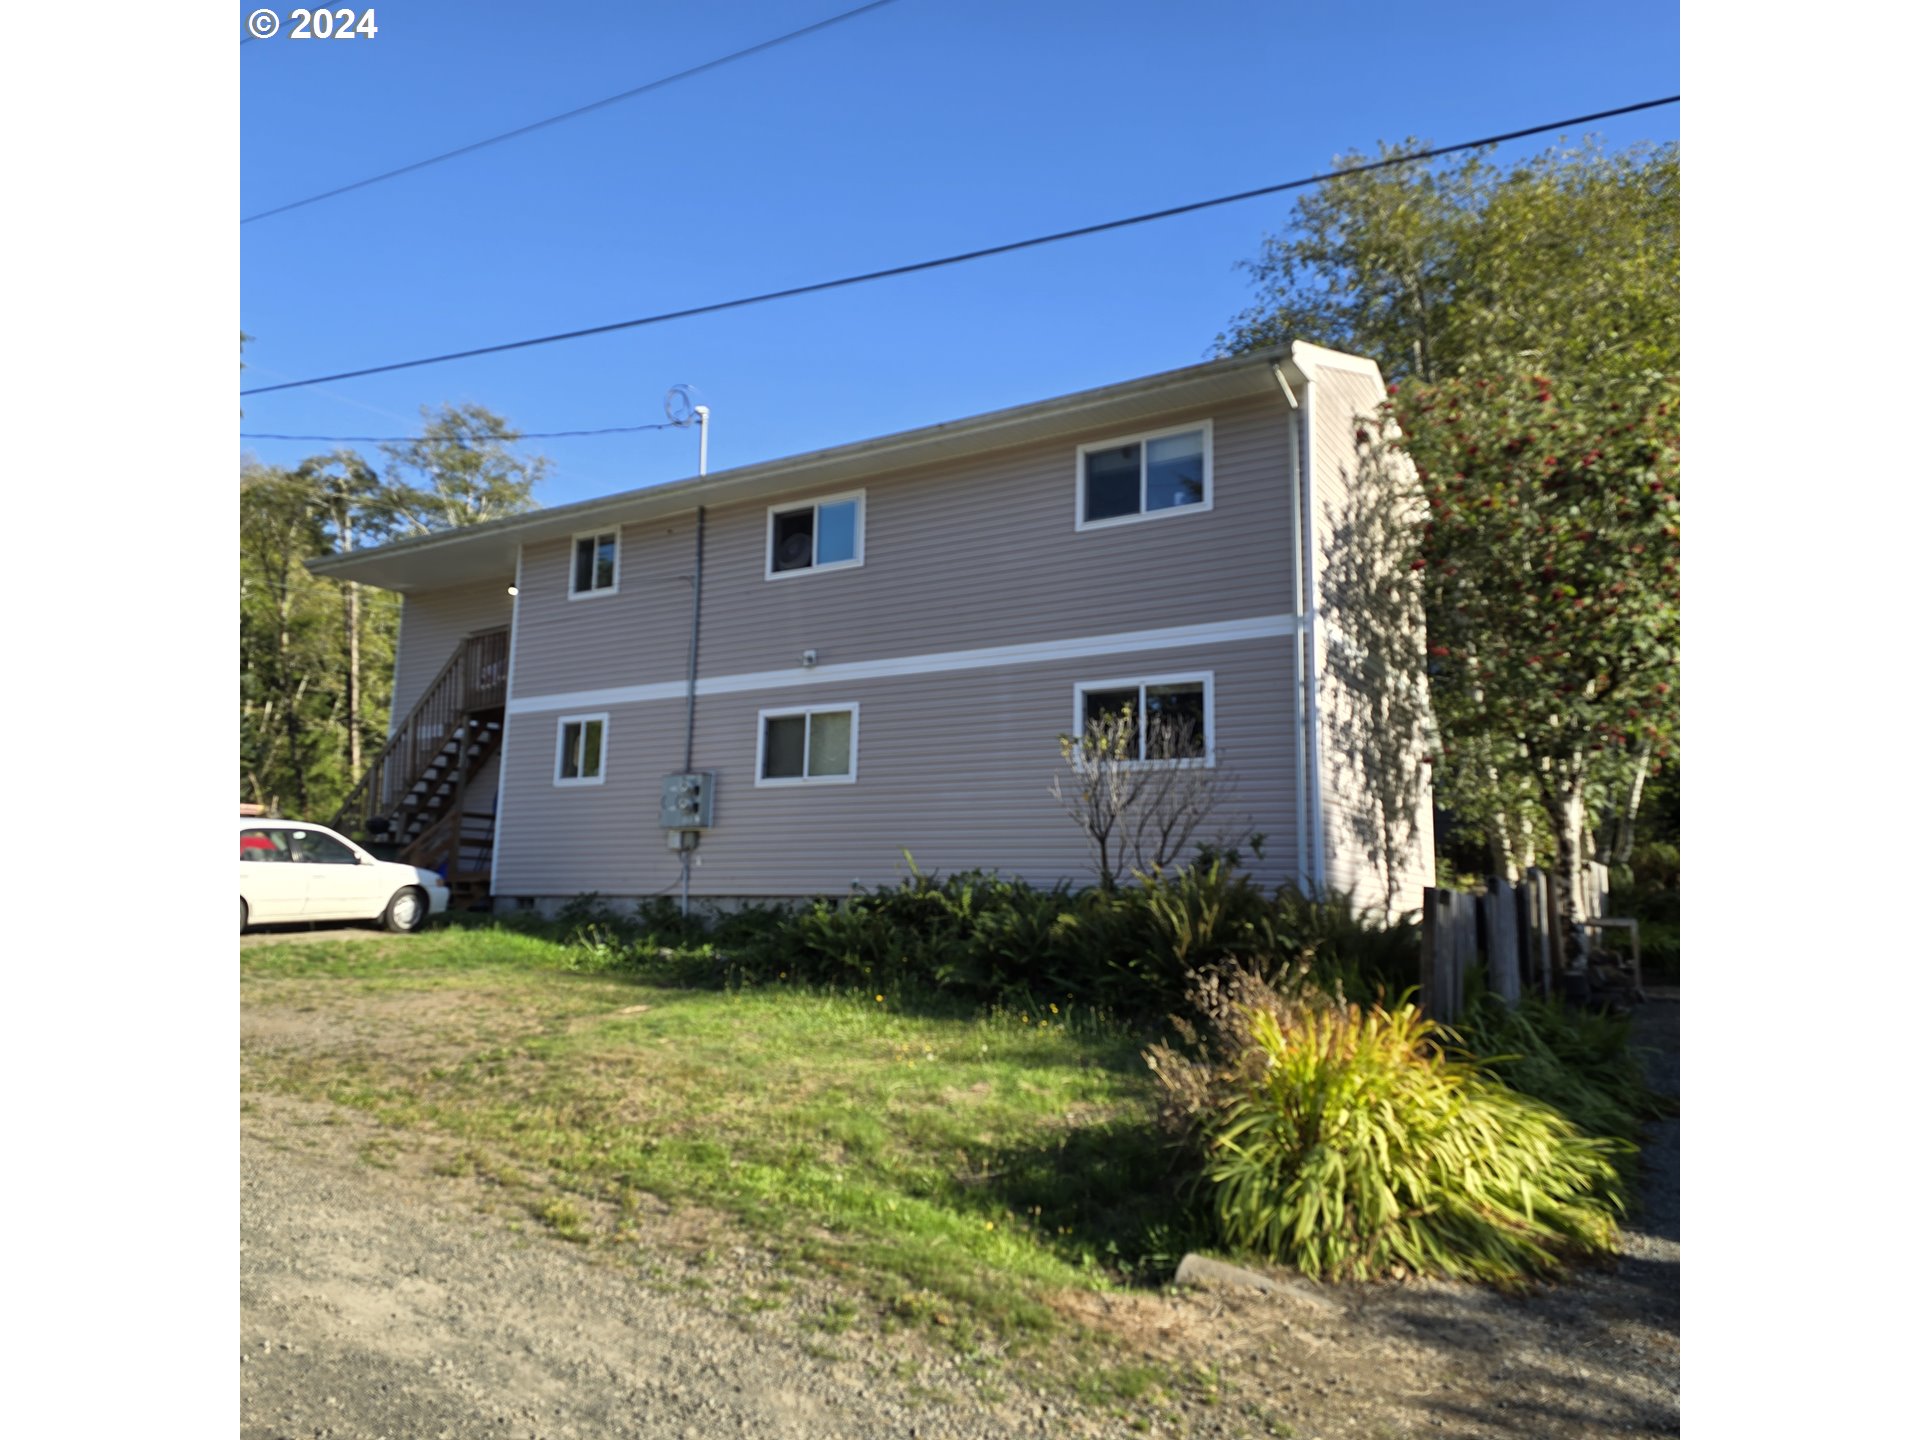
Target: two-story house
(874, 649)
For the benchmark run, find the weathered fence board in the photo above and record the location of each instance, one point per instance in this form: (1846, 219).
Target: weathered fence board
(1502, 908)
(1540, 927)
(1466, 951)
(1449, 944)
(1508, 930)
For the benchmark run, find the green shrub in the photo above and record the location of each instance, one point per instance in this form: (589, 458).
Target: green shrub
(1649, 890)
(972, 934)
(1660, 952)
(1348, 951)
(1581, 1062)
(1656, 865)
(1133, 950)
(1348, 1143)
(975, 935)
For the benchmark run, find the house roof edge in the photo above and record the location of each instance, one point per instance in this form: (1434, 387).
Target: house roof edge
(488, 550)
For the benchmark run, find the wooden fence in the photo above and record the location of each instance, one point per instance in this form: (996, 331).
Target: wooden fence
(1509, 930)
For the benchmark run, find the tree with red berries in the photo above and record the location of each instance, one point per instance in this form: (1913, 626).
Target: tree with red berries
(1550, 561)
(1464, 277)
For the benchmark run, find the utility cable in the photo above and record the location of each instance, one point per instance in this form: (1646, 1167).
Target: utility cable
(565, 115)
(514, 438)
(981, 254)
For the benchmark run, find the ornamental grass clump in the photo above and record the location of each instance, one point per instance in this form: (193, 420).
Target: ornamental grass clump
(1345, 1141)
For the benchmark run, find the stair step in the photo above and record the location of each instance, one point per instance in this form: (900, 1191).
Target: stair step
(435, 751)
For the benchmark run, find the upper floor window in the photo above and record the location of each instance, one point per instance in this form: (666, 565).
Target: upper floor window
(596, 565)
(809, 745)
(1160, 718)
(824, 534)
(580, 756)
(1144, 476)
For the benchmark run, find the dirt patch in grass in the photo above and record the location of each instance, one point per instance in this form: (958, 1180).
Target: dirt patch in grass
(438, 1022)
(303, 935)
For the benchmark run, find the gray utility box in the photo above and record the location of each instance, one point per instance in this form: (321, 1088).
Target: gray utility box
(686, 801)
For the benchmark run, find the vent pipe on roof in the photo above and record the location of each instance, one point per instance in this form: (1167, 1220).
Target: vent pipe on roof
(682, 411)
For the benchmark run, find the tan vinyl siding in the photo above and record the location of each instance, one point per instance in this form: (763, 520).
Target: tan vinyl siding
(1354, 835)
(954, 767)
(634, 636)
(957, 556)
(432, 622)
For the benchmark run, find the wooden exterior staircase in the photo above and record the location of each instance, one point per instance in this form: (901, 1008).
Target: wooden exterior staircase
(413, 800)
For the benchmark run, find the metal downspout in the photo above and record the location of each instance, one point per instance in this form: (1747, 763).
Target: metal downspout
(693, 672)
(1301, 839)
(506, 731)
(1310, 620)
(693, 639)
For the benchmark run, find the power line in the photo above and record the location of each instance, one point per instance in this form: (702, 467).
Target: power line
(462, 439)
(567, 114)
(961, 258)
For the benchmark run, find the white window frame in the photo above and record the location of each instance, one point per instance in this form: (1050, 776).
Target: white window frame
(814, 504)
(560, 746)
(843, 707)
(573, 550)
(1140, 683)
(1205, 503)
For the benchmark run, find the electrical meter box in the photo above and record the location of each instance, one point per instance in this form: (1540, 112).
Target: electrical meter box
(686, 801)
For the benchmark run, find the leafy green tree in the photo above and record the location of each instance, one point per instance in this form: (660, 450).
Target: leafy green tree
(286, 645)
(355, 505)
(316, 656)
(1566, 262)
(460, 471)
(1550, 557)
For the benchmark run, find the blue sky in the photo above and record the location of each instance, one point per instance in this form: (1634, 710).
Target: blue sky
(925, 127)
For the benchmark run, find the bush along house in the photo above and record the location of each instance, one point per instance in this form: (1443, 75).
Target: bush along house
(779, 680)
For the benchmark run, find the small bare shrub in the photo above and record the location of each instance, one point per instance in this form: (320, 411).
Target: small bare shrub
(1139, 796)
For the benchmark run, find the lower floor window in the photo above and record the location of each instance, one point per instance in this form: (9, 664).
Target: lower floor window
(808, 744)
(582, 753)
(1156, 719)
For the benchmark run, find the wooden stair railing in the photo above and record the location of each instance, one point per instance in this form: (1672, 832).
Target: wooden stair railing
(460, 846)
(437, 748)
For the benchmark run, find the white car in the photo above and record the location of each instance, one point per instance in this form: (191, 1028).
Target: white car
(293, 871)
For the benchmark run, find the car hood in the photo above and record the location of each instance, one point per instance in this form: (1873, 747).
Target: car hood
(410, 874)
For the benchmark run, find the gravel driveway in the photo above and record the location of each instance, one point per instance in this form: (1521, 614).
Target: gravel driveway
(368, 1311)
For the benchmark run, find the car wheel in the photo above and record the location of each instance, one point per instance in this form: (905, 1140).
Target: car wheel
(406, 911)
(243, 914)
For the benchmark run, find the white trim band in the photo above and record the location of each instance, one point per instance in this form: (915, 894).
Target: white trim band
(1173, 637)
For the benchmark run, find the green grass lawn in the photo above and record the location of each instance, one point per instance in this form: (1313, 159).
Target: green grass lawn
(954, 1165)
